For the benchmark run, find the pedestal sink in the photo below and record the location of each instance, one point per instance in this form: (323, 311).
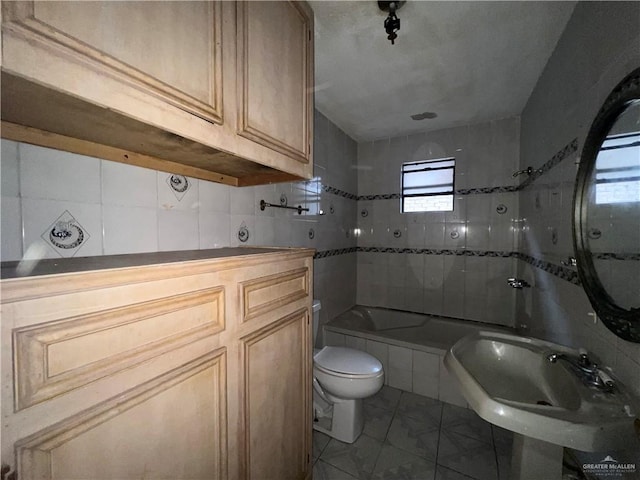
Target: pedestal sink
(511, 382)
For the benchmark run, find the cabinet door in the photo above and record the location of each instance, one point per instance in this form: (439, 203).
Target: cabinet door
(275, 76)
(171, 427)
(276, 394)
(123, 381)
(169, 49)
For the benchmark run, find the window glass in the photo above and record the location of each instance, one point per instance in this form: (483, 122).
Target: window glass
(428, 186)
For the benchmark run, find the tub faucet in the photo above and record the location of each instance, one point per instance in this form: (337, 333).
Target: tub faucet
(585, 369)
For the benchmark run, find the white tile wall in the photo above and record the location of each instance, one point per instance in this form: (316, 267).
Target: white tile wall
(448, 389)
(381, 352)
(426, 374)
(127, 209)
(356, 343)
(581, 72)
(54, 175)
(400, 368)
(178, 230)
(129, 229)
(126, 185)
(486, 155)
(334, 339)
(10, 176)
(11, 222)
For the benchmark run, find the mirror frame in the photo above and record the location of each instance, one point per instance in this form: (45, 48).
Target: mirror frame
(624, 323)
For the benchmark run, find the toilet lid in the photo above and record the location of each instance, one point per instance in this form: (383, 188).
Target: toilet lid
(347, 360)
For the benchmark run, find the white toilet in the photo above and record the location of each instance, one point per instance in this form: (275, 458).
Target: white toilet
(342, 377)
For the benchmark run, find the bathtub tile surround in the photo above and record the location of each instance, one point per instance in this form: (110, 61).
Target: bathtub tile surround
(425, 374)
(400, 366)
(411, 347)
(426, 440)
(412, 370)
(581, 72)
(486, 155)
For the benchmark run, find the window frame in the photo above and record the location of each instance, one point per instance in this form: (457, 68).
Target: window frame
(439, 194)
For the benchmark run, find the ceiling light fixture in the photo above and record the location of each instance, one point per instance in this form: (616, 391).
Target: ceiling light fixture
(392, 22)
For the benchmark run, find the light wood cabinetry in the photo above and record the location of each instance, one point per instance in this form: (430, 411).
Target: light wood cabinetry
(192, 367)
(215, 90)
(275, 73)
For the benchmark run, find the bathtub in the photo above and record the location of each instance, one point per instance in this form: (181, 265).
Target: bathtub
(410, 346)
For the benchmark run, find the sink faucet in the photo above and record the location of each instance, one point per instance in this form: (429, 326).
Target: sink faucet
(585, 369)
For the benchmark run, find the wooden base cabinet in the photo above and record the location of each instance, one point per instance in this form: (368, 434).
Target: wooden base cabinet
(196, 369)
(217, 90)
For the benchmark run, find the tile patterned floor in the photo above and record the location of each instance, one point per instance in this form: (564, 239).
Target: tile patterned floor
(410, 437)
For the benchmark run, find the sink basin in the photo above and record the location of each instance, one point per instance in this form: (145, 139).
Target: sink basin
(509, 382)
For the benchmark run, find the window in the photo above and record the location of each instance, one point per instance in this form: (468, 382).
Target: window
(428, 186)
(618, 169)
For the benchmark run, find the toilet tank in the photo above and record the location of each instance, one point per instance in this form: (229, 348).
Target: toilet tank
(316, 305)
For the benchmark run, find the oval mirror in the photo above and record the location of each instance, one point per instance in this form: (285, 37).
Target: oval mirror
(606, 227)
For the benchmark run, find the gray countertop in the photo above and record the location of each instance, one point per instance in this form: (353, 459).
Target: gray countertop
(32, 268)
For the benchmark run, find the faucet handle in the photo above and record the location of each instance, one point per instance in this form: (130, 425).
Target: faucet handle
(584, 360)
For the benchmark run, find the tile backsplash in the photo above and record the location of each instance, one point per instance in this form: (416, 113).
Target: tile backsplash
(57, 204)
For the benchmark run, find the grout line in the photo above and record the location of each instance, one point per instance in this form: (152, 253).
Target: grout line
(439, 434)
(495, 453)
(333, 466)
(20, 199)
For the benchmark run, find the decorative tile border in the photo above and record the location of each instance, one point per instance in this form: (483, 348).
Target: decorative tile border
(567, 150)
(334, 252)
(562, 272)
(340, 193)
(559, 271)
(475, 191)
(435, 251)
(460, 191)
(384, 196)
(616, 256)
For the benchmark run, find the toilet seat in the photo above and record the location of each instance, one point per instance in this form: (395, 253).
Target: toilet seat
(347, 363)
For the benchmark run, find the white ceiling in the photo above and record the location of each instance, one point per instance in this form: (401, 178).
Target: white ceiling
(466, 61)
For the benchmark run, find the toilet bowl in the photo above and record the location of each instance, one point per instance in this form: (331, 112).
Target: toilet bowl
(342, 378)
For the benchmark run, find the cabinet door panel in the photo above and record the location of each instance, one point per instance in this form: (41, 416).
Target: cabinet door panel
(171, 427)
(276, 394)
(170, 49)
(56, 357)
(274, 72)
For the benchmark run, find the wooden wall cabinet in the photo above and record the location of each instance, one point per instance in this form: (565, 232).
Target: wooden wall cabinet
(216, 90)
(195, 369)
